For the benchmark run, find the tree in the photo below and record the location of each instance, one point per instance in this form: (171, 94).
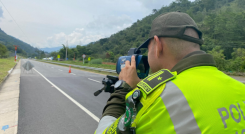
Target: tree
(154, 11)
(54, 55)
(238, 52)
(81, 50)
(72, 52)
(3, 51)
(219, 57)
(62, 52)
(110, 55)
(241, 3)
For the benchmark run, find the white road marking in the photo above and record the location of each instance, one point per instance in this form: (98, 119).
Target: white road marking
(70, 98)
(94, 80)
(60, 70)
(73, 73)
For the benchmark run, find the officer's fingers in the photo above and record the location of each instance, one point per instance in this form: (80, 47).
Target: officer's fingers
(127, 63)
(120, 76)
(133, 63)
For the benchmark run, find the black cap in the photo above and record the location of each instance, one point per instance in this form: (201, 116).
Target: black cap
(173, 25)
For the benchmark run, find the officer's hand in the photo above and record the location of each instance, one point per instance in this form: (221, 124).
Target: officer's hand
(129, 74)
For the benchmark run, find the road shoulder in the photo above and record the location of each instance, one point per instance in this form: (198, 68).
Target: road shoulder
(9, 102)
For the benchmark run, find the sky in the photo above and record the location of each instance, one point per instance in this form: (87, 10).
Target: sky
(51, 23)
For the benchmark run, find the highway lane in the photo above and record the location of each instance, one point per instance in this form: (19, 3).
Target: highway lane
(77, 84)
(43, 109)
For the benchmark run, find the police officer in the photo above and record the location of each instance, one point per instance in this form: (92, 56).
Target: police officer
(186, 94)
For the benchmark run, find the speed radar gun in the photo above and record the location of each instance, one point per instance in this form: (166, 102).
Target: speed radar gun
(142, 68)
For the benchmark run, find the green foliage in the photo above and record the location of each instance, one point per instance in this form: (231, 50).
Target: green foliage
(238, 53)
(96, 61)
(5, 65)
(71, 53)
(225, 29)
(110, 56)
(40, 54)
(3, 51)
(219, 57)
(54, 55)
(241, 3)
(23, 48)
(237, 63)
(116, 57)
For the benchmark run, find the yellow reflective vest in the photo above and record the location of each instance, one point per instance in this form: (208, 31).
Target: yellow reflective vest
(199, 100)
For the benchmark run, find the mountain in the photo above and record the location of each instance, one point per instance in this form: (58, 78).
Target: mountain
(52, 49)
(23, 47)
(221, 21)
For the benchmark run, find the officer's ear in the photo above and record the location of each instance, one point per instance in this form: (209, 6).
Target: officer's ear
(158, 47)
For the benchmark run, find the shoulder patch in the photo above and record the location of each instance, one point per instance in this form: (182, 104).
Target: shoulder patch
(151, 82)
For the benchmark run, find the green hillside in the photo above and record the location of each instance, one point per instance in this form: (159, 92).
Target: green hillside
(221, 21)
(23, 48)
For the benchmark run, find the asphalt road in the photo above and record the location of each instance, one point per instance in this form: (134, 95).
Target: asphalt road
(43, 109)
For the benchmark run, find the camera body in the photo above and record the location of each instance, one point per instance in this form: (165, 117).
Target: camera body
(142, 65)
(142, 68)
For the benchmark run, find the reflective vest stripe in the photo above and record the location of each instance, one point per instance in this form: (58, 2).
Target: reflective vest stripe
(179, 110)
(105, 122)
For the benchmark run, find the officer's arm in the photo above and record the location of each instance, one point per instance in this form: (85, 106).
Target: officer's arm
(114, 108)
(116, 104)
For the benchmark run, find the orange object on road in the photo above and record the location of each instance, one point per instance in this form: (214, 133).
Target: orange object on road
(69, 70)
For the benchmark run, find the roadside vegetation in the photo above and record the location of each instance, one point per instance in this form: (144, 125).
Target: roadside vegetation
(5, 65)
(24, 49)
(6, 61)
(233, 66)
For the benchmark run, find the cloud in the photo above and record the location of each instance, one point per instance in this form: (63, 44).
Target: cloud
(47, 25)
(110, 22)
(75, 38)
(155, 4)
(101, 27)
(1, 12)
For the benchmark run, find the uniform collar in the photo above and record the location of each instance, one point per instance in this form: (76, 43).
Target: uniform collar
(193, 59)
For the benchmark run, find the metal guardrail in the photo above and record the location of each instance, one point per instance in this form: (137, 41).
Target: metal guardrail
(84, 67)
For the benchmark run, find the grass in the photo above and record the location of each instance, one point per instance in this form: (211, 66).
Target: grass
(5, 65)
(113, 67)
